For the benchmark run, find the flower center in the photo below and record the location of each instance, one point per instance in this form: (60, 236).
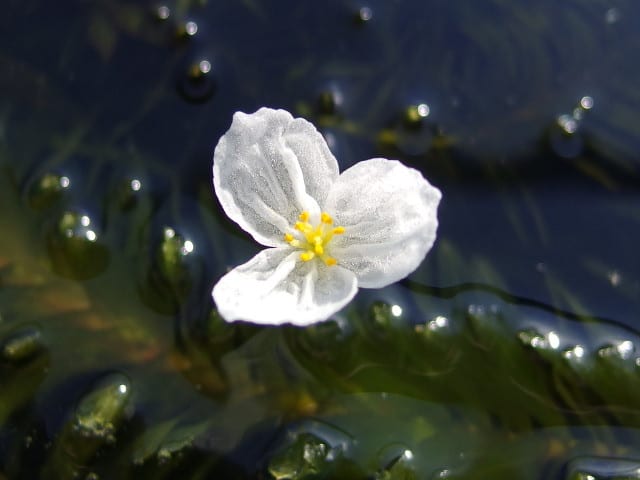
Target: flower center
(313, 240)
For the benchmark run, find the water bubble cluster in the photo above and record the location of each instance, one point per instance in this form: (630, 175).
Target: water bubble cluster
(623, 350)
(564, 139)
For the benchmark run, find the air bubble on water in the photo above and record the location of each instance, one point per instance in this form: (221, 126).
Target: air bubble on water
(614, 278)
(612, 16)
(444, 473)
(365, 14)
(423, 110)
(568, 123)
(532, 338)
(187, 247)
(191, 28)
(577, 113)
(625, 349)
(438, 323)
(198, 83)
(476, 310)
(163, 12)
(204, 66)
(577, 352)
(586, 102)
(553, 340)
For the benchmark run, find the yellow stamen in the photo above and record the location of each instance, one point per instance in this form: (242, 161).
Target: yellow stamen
(303, 227)
(306, 256)
(313, 239)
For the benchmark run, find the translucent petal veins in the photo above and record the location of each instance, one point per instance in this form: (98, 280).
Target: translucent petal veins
(275, 176)
(313, 240)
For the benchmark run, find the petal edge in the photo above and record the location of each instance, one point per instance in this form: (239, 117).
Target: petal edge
(389, 212)
(275, 287)
(267, 168)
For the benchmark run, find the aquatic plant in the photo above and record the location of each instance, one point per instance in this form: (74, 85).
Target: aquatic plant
(276, 177)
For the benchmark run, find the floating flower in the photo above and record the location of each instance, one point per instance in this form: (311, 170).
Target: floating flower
(327, 233)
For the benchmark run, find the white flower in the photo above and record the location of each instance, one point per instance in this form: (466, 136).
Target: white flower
(328, 233)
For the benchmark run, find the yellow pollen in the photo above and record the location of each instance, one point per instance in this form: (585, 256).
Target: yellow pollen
(306, 256)
(304, 227)
(313, 239)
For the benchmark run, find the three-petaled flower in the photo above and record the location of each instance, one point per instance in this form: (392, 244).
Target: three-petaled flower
(328, 233)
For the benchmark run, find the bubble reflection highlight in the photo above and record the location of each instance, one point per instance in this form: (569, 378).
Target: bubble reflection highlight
(364, 15)
(191, 28)
(163, 12)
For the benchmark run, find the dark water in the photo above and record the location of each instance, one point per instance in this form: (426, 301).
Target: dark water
(510, 353)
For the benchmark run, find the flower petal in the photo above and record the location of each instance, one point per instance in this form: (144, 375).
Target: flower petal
(389, 214)
(268, 168)
(276, 287)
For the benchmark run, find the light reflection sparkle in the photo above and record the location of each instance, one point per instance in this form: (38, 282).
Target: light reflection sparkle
(187, 247)
(163, 12)
(204, 66)
(423, 110)
(191, 28)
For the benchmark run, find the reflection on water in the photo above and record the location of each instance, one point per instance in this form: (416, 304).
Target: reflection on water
(512, 352)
